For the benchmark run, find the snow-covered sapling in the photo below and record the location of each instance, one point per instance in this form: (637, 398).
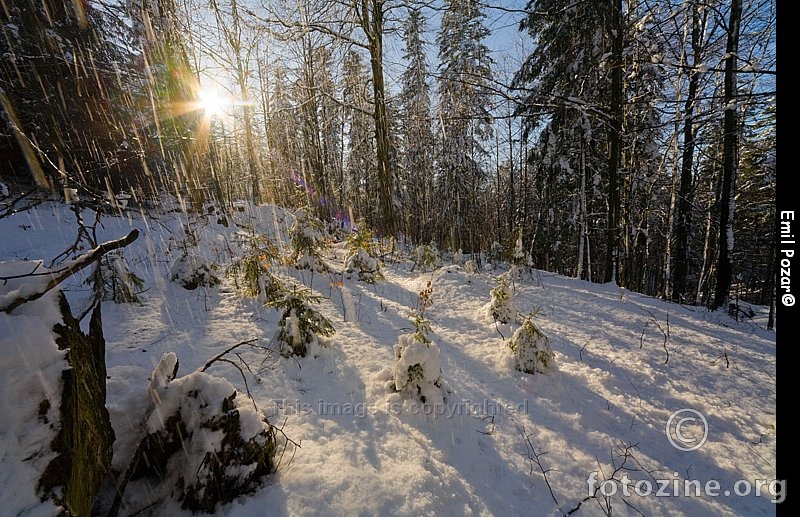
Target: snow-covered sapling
(115, 281)
(495, 254)
(251, 273)
(426, 257)
(521, 261)
(362, 256)
(417, 372)
(308, 240)
(192, 271)
(301, 325)
(531, 348)
(501, 306)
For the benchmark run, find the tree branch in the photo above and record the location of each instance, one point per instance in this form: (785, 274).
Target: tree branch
(73, 267)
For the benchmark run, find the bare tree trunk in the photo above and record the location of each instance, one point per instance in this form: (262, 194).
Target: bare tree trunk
(582, 233)
(512, 205)
(706, 269)
(683, 220)
(266, 110)
(730, 158)
(615, 144)
(371, 16)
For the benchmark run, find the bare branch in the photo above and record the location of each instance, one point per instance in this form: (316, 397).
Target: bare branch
(73, 267)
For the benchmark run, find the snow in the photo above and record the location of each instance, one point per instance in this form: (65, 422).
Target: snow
(503, 443)
(29, 360)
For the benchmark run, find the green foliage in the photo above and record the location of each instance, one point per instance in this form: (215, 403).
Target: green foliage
(416, 375)
(501, 306)
(422, 326)
(251, 273)
(251, 276)
(60, 90)
(362, 255)
(531, 348)
(362, 239)
(308, 239)
(300, 323)
(426, 257)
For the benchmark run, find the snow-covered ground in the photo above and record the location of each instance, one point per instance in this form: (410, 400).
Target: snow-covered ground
(503, 443)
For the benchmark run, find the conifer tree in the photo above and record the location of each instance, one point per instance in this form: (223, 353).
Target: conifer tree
(61, 98)
(465, 71)
(416, 162)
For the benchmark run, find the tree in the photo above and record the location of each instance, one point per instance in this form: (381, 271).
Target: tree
(465, 71)
(730, 161)
(416, 162)
(693, 57)
(755, 253)
(340, 21)
(172, 145)
(240, 44)
(359, 187)
(371, 15)
(314, 91)
(563, 85)
(282, 127)
(61, 93)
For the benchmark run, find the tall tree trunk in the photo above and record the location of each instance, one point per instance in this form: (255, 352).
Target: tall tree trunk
(680, 267)
(512, 205)
(266, 111)
(729, 162)
(615, 144)
(583, 241)
(372, 24)
(703, 283)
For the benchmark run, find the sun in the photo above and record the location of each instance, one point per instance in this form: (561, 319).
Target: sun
(212, 103)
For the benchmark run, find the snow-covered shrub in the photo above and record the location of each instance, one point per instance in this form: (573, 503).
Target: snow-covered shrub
(518, 255)
(417, 372)
(205, 441)
(251, 273)
(531, 348)
(116, 282)
(495, 254)
(521, 261)
(362, 256)
(192, 271)
(308, 239)
(301, 325)
(426, 257)
(367, 266)
(501, 306)
(470, 267)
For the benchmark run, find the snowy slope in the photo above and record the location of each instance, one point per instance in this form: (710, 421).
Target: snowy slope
(504, 443)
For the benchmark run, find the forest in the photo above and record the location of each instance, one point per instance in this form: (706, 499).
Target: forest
(626, 142)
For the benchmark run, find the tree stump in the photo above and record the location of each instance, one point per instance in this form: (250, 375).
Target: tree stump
(85, 440)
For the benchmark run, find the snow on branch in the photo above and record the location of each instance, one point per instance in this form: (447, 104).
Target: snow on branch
(34, 290)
